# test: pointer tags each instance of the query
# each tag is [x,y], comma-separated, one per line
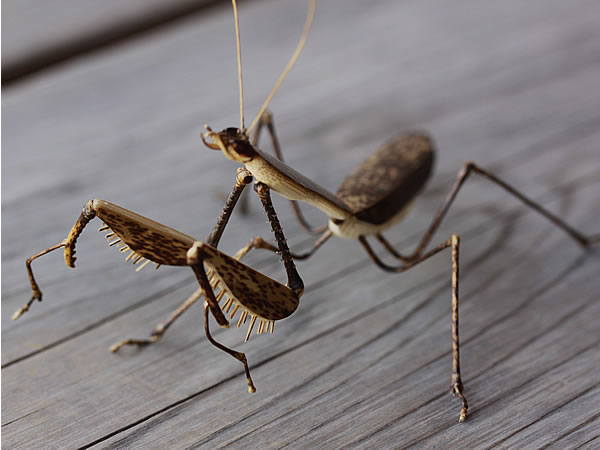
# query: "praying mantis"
[361,208]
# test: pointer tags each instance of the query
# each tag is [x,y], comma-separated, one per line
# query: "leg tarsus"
[137,342]
[160,329]
[156,334]
[241,357]
[457,385]
[453,242]
[457,390]
[37,293]
[87,214]
[19,312]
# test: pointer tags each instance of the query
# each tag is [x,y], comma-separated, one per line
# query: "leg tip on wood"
[457,391]
[115,347]
[18,313]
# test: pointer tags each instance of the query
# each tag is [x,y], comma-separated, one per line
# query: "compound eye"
[244,148]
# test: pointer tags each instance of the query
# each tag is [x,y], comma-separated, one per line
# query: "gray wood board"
[40,33]
[365,361]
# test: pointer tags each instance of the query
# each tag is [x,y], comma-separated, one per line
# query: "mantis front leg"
[36,292]
[242,179]
[295,283]
[453,242]
[255,295]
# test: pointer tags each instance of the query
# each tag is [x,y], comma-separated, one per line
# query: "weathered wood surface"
[38,33]
[365,361]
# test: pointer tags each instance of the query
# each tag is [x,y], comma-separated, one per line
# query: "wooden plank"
[365,351]
[549,430]
[587,434]
[141,190]
[156,370]
[342,386]
[38,34]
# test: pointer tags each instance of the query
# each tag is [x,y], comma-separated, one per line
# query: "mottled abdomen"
[386,183]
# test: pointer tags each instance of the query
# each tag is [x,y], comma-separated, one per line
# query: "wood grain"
[39,34]
[365,360]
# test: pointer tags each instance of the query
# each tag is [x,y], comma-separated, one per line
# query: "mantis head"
[233,142]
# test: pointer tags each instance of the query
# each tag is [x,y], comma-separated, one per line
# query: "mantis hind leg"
[452,242]
[463,174]
[161,328]
[420,255]
[259,243]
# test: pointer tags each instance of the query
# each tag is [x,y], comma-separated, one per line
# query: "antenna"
[309,18]
[239,61]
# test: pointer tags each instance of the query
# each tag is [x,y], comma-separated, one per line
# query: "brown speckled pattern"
[389,179]
[260,295]
[145,237]
[86,215]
